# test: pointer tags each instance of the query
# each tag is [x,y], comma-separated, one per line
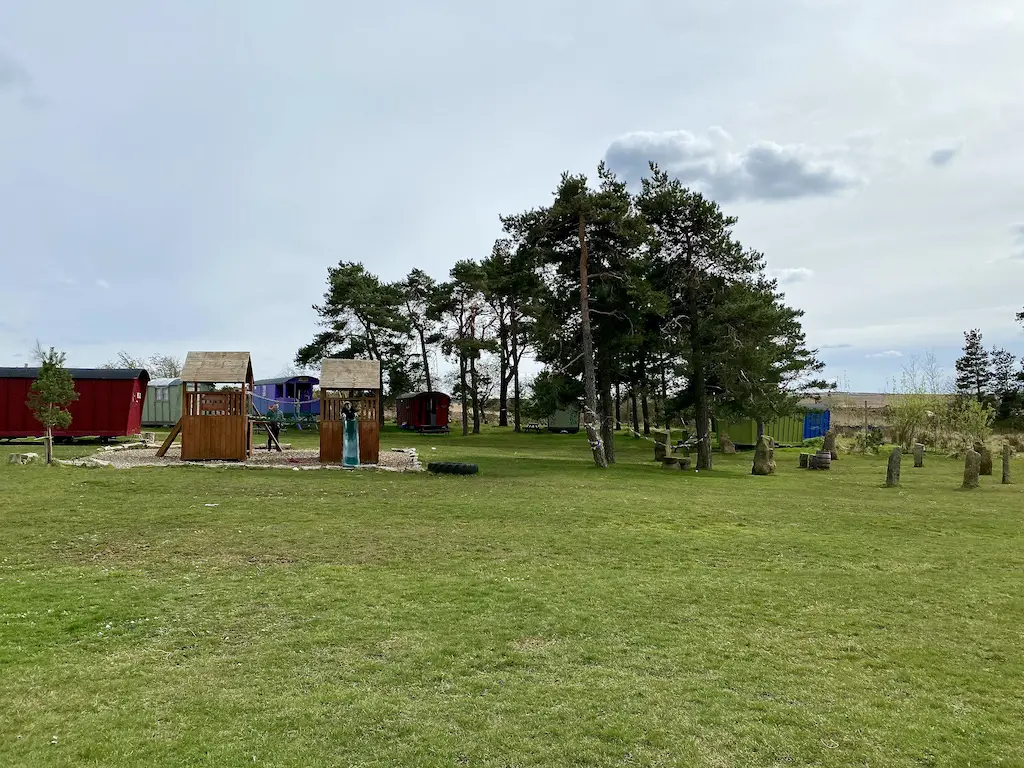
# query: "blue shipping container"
[816,424]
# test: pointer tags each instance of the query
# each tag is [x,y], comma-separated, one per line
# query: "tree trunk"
[503,365]
[618,407]
[760,429]
[380,410]
[475,395]
[589,378]
[647,413]
[605,404]
[700,395]
[426,363]
[48,443]
[664,390]
[633,411]
[464,388]
[514,325]
[516,420]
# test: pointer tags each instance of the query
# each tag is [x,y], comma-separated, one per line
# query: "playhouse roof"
[337,373]
[217,367]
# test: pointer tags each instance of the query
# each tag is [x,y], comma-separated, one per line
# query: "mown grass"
[540,613]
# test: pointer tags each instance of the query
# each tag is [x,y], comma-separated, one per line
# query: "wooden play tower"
[215,425]
[358,382]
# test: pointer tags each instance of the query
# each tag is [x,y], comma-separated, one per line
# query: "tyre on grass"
[452,468]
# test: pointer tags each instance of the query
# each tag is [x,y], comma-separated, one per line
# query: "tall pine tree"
[973,369]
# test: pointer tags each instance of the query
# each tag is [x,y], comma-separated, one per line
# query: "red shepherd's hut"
[423,411]
[109,403]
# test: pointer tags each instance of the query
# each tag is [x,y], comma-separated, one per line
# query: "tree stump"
[919,455]
[684,463]
[972,468]
[986,458]
[1007,455]
[830,445]
[763,463]
[670,462]
[892,472]
[805,461]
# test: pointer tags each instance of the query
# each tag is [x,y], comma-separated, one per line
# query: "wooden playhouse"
[358,382]
[215,423]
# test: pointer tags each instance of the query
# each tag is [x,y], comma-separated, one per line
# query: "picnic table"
[533,426]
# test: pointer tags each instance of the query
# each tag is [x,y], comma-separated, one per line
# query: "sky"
[180,175]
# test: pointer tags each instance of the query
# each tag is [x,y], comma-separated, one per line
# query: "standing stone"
[830,444]
[986,458]
[892,472]
[919,455]
[972,466]
[727,445]
[763,459]
[771,453]
[661,438]
[805,459]
[1007,454]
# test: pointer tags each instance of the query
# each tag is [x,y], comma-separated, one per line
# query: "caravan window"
[161,393]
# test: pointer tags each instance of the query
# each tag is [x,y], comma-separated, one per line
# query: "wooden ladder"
[170,439]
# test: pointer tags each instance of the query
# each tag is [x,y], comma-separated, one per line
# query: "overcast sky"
[179,175]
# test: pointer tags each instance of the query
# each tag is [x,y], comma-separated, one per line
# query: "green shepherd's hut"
[565,420]
[162,407]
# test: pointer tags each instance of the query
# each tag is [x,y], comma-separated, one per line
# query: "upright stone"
[1007,454]
[661,438]
[919,455]
[986,458]
[972,466]
[763,458]
[892,472]
[727,445]
[830,444]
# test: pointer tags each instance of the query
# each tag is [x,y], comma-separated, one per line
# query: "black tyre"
[452,468]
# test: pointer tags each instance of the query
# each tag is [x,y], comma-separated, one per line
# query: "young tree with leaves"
[973,369]
[50,395]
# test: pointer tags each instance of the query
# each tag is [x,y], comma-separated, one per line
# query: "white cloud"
[791,276]
[103,284]
[887,353]
[764,170]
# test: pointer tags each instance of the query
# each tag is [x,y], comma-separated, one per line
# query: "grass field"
[540,613]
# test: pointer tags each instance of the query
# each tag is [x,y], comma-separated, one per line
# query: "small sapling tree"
[50,395]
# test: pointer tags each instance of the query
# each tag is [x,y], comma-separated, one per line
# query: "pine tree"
[694,249]
[973,369]
[50,395]
[362,318]
[1006,386]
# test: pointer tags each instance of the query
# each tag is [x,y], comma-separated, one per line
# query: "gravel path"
[400,460]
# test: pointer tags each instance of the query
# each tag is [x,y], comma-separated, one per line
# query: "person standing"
[274,419]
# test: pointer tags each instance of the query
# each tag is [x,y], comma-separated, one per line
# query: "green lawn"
[540,613]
